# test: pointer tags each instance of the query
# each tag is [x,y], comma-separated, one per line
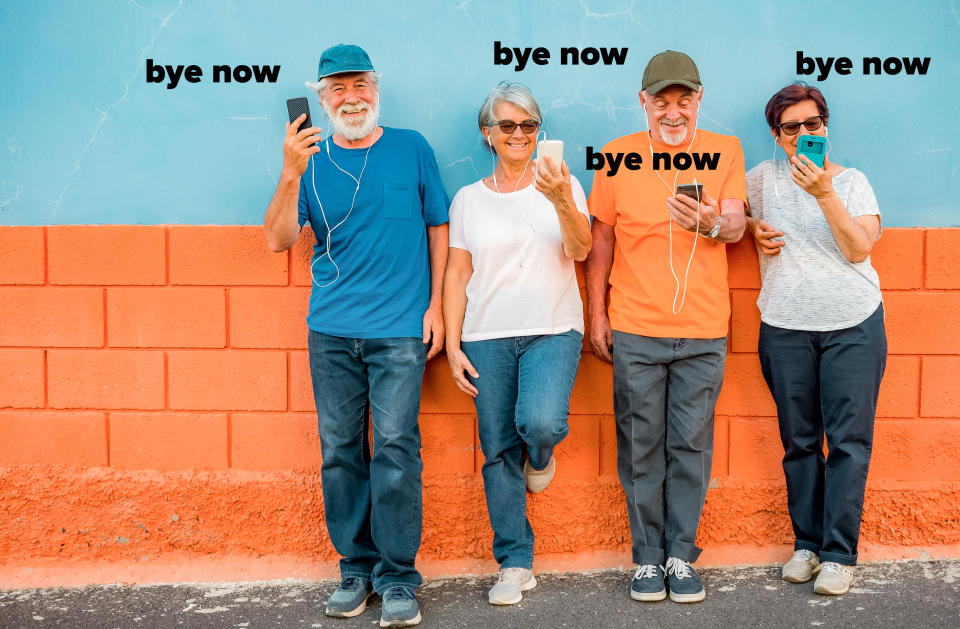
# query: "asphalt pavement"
[898,594]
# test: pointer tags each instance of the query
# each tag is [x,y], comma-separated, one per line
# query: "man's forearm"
[438,242]
[734,221]
[281,220]
[599,263]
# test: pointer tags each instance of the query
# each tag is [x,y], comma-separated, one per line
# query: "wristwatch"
[716,228]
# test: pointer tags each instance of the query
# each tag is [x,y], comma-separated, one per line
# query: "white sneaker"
[833,579]
[538,480]
[801,567]
[509,587]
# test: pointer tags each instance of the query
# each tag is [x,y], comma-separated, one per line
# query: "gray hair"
[513,93]
[321,85]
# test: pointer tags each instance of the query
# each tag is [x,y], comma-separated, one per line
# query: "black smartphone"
[692,190]
[295,108]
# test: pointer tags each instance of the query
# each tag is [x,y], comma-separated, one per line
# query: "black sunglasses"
[527,126]
[792,128]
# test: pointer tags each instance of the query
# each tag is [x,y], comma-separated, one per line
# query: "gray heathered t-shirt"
[810,285]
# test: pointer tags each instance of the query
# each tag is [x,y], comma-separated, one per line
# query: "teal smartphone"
[813,146]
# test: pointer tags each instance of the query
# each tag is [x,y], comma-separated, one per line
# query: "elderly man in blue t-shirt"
[379,211]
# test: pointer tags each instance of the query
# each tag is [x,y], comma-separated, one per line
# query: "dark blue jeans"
[373,505]
[522,402]
[664,394]
[826,382]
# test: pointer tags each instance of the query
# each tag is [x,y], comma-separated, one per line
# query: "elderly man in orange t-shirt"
[664,256]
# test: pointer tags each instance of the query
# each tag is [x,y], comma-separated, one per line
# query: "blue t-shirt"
[383,287]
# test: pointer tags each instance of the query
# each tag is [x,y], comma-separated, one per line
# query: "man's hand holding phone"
[298,146]
[683,211]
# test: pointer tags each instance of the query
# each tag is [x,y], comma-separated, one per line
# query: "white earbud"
[489,142]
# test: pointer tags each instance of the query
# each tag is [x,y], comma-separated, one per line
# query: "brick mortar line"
[138,411]
[273,350]
[465,416]
[921,289]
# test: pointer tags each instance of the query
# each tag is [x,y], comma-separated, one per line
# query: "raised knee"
[542,430]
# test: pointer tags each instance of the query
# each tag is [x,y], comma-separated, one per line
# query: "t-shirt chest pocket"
[401,201]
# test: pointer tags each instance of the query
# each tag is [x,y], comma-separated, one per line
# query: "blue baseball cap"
[340,59]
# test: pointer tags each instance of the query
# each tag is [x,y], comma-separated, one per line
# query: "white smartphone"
[552,149]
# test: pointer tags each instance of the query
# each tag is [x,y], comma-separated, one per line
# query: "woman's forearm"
[853,240]
[454,305]
[574,229]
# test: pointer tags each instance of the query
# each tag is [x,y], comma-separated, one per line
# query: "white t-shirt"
[522,283]
[810,285]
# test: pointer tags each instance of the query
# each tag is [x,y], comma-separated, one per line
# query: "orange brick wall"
[155,398]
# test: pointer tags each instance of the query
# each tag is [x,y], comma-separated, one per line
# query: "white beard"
[356,129]
[673,139]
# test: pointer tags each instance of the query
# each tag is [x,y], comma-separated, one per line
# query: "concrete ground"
[902,594]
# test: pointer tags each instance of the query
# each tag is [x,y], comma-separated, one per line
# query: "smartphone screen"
[296,107]
[552,149]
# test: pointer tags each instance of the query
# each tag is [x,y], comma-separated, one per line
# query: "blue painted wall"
[87,140]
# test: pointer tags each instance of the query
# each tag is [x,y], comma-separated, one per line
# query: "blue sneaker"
[648,584]
[400,608]
[685,585]
[350,598]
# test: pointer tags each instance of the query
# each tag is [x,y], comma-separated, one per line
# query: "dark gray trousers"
[664,393]
[826,383]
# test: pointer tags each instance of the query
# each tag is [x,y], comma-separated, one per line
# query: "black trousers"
[826,383]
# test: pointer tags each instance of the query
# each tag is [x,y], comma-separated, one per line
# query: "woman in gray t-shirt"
[822,342]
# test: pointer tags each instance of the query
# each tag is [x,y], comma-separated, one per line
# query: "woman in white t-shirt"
[514,319]
[822,343]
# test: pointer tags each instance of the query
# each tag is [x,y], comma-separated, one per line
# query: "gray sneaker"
[833,579]
[400,607]
[648,584]
[801,567]
[510,586]
[350,598]
[684,583]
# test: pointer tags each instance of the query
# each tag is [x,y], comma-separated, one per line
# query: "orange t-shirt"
[634,202]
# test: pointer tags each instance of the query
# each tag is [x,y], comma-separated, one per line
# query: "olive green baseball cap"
[670,68]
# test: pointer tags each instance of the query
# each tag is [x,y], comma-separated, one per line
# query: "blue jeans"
[523,400]
[826,383]
[373,505]
[664,394]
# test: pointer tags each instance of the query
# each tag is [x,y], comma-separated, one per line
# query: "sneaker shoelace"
[398,593]
[678,567]
[802,555]
[513,575]
[831,566]
[648,571]
[351,583]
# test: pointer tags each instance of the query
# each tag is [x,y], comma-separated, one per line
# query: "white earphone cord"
[323,214]
[686,274]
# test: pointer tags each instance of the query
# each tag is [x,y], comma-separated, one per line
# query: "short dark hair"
[791,95]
